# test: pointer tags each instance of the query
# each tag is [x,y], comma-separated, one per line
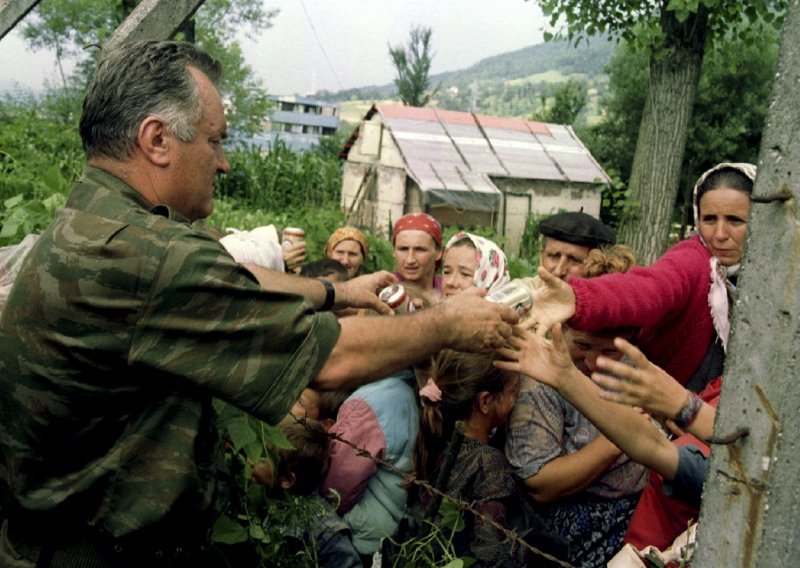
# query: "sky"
[336,44]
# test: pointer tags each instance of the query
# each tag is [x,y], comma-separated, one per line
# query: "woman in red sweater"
[681,301]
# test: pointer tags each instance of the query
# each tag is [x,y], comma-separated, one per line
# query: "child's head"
[322,406]
[463,386]
[327,269]
[300,470]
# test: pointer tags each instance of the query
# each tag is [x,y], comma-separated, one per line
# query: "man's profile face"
[195,164]
[415,254]
[562,259]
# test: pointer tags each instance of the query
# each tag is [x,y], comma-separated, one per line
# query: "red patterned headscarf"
[347,234]
[419,222]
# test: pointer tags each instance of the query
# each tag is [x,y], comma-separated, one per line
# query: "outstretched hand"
[644,385]
[553,303]
[475,324]
[362,292]
[546,361]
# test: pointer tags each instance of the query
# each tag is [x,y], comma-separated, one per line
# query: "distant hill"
[510,84]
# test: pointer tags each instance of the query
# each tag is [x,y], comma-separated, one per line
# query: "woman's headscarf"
[347,234]
[720,295]
[491,265]
[418,222]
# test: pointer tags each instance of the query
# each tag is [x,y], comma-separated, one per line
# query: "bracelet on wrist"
[689,412]
[330,296]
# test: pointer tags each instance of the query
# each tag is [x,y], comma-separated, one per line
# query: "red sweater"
[668,300]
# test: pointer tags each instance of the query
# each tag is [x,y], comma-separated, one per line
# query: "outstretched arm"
[649,387]
[373,347]
[549,362]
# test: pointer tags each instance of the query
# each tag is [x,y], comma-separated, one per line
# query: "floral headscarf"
[491,265]
[347,234]
[720,295]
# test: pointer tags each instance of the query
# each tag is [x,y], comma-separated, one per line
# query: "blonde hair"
[608,260]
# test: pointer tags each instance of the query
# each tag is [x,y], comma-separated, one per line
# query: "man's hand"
[546,361]
[475,324]
[362,292]
[552,304]
[644,385]
[294,255]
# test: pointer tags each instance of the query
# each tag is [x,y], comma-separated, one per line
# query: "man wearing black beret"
[568,238]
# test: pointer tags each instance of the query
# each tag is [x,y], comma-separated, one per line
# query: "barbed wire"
[410,478]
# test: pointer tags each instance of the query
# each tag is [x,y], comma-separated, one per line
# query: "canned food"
[396,297]
[293,235]
[515,295]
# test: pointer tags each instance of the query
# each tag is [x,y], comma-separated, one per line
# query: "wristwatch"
[330,296]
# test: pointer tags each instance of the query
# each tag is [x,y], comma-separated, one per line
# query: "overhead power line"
[322,47]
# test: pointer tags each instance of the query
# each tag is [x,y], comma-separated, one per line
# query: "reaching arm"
[649,387]
[373,347]
[550,363]
[552,303]
[567,475]
[359,292]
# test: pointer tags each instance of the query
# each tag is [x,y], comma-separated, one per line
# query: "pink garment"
[350,473]
[668,300]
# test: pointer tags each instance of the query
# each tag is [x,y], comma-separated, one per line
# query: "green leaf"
[275,437]
[548,36]
[14,201]
[241,433]
[257,532]
[9,230]
[455,563]
[451,516]
[53,180]
[228,531]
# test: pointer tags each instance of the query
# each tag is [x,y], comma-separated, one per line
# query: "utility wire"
[322,48]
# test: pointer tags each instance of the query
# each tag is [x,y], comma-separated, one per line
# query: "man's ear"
[154,141]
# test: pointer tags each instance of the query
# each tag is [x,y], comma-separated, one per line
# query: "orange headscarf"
[347,234]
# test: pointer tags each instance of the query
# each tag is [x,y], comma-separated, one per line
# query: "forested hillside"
[509,84]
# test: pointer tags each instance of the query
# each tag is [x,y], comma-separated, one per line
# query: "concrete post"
[153,19]
[751,506]
[11,12]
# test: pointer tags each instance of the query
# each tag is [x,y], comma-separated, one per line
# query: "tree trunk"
[655,174]
[751,505]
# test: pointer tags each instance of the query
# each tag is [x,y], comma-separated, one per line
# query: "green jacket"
[122,325]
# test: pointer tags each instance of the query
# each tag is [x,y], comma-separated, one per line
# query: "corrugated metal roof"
[449,152]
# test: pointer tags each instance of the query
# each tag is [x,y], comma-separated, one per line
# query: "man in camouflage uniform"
[126,320]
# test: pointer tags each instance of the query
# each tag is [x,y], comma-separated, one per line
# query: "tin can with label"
[395,297]
[515,295]
[293,235]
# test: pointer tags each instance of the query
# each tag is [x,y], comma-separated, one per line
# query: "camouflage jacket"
[122,325]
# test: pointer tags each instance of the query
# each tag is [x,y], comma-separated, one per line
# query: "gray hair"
[138,80]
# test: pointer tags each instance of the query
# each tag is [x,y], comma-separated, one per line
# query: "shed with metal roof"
[465,169]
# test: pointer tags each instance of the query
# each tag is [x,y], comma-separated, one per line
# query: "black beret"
[578,228]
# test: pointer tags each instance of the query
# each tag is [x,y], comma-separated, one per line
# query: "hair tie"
[431,391]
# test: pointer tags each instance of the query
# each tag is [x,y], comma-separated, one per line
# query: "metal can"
[293,235]
[515,295]
[396,297]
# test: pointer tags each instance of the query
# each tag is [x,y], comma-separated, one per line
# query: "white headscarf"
[491,265]
[721,291]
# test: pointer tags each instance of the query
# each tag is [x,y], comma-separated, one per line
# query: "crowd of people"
[579,425]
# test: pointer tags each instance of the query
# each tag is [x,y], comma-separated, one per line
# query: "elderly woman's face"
[458,269]
[724,214]
[348,253]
